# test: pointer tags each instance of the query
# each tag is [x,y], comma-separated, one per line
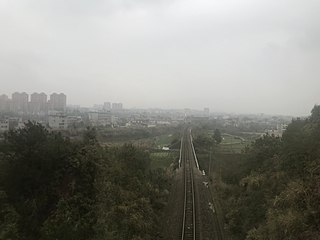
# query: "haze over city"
[159,119]
[233,56]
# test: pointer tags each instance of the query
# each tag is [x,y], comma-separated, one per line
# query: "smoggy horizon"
[231,56]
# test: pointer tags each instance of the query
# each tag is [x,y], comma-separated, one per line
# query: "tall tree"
[217,136]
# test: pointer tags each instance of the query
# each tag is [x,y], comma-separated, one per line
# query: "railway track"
[189,220]
[198,219]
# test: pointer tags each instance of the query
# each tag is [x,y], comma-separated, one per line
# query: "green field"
[233,144]
[162,159]
[164,140]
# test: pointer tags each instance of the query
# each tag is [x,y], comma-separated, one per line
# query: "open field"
[163,140]
[163,159]
[235,144]
[232,148]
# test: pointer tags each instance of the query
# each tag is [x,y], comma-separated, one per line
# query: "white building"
[58,121]
[101,118]
[4,125]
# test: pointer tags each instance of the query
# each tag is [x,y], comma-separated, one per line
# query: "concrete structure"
[4,125]
[117,106]
[19,102]
[11,123]
[107,106]
[98,107]
[101,118]
[4,103]
[38,103]
[4,97]
[74,121]
[58,102]
[57,121]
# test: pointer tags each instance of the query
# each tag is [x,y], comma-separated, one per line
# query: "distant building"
[107,106]
[4,97]
[73,107]
[19,102]
[98,107]
[117,106]
[57,120]
[74,121]
[4,103]
[14,123]
[4,125]
[281,128]
[58,102]
[38,103]
[101,118]
[93,116]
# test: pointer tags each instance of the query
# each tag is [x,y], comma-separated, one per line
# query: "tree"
[217,136]
[54,188]
[278,196]
[315,114]
[90,136]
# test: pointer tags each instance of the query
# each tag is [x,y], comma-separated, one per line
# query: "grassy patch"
[231,148]
[164,140]
[162,159]
[232,144]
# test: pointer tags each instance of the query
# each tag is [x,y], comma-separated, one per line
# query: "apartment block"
[38,103]
[57,102]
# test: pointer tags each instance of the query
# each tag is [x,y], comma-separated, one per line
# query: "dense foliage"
[53,188]
[276,194]
[217,136]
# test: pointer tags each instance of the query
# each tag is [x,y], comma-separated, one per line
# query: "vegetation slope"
[54,188]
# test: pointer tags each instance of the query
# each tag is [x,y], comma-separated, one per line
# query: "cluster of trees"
[204,142]
[276,191]
[54,188]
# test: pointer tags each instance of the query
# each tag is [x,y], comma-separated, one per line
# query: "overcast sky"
[243,56]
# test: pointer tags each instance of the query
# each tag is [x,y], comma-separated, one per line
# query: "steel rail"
[189,209]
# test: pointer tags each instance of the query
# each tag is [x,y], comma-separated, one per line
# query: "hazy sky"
[245,56]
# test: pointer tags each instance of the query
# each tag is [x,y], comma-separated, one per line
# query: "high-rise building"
[4,97]
[4,103]
[38,103]
[19,102]
[107,106]
[58,102]
[117,106]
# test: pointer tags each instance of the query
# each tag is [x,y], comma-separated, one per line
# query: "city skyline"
[32,103]
[233,56]
[120,105]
